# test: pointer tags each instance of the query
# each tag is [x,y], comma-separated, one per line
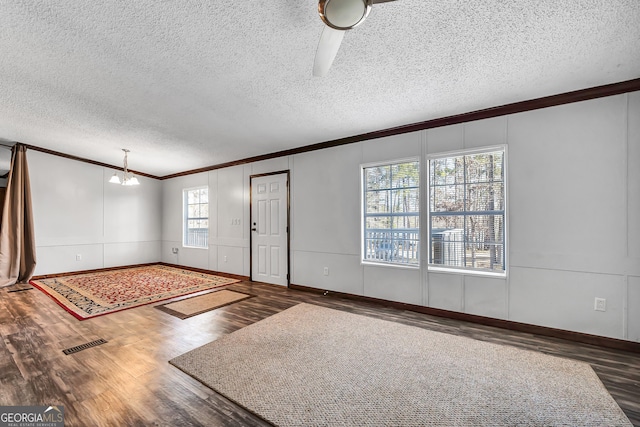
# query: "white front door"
[269,229]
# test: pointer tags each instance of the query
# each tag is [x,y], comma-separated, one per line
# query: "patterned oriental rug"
[96,294]
[314,366]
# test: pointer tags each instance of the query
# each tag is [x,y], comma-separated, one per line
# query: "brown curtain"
[17,240]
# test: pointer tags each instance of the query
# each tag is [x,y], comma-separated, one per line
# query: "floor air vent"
[20,290]
[83,346]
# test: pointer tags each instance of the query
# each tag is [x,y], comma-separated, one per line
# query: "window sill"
[389,264]
[195,247]
[467,272]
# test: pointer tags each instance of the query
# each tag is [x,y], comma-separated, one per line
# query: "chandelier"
[127,177]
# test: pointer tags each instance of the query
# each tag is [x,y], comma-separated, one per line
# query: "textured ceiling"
[188,84]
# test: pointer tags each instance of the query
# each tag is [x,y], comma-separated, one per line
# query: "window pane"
[447,198]
[485,167]
[447,243]
[407,249]
[378,177]
[405,200]
[446,222]
[405,222]
[405,175]
[470,190]
[204,223]
[196,223]
[204,195]
[391,205]
[443,171]
[378,222]
[377,201]
[192,197]
[478,168]
[485,236]
[388,246]
[484,229]
[378,246]
[484,197]
[498,166]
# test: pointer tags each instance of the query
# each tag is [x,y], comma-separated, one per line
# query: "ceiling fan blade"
[381,1]
[330,41]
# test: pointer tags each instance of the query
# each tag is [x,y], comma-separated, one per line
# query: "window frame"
[439,268]
[186,218]
[363,201]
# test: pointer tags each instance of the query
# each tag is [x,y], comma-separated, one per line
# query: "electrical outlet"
[600,304]
[326,271]
[78,257]
[225,258]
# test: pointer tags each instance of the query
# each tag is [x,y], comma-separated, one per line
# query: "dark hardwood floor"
[128,382]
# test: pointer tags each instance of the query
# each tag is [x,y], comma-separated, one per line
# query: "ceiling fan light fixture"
[344,14]
[338,16]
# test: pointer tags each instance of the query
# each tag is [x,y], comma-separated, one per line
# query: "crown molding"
[516,107]
[513,108]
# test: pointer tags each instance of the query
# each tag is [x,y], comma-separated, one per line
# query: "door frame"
[288,174]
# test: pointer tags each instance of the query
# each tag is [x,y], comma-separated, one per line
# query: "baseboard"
[580,337]
[122,267]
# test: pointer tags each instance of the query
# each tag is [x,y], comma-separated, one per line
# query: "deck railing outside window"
[399,246]
[198,237]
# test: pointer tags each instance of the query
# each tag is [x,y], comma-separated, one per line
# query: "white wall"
[228,250]
[573,229]
[633,218]
[569,228]
[573,209]
[77,212]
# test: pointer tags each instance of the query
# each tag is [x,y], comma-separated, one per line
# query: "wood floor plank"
[128,380]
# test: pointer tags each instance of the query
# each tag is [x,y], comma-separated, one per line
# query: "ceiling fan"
[339,16]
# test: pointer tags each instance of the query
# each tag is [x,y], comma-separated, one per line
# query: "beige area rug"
[197,305]
[314,366]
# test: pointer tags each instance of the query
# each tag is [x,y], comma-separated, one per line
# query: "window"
[391,213]
[467,210]
[196,217]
